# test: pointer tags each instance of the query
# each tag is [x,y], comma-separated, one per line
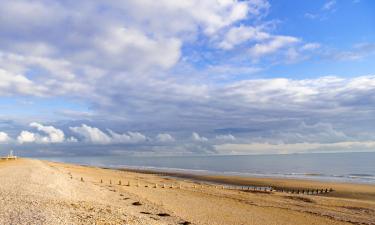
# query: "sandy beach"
[41,192]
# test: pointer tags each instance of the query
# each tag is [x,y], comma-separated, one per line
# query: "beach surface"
[42,192]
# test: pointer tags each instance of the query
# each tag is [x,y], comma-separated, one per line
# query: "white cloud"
[269,47]
[238,35]
[268,148]
[164,137]
[329,5]
[94,135]
[127,39]
[26,137]
[91,134]
[118,42]
[4,137]
[196,137]
[310,46]
[225,137]
[129,137]
[312,16]
[15,83]
[29,14]
[54,135]
[181,16]
[357,52]
[72,140]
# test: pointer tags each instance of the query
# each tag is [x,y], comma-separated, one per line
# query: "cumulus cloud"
[129,137]
[91,134]
[26,137]
[196,137]
[54,135]
[94,135]
[49,134]
[4,137]
[164,137]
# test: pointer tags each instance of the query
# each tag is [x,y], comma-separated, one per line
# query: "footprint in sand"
[136,203]
[185,223]
[147,213]
[163,214]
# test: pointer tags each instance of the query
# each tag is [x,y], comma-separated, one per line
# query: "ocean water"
[341,167]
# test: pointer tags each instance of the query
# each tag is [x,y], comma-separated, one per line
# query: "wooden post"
[119,182]
[101,181]
[82,179]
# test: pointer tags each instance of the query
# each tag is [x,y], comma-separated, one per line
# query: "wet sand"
[342,190]
[41,192]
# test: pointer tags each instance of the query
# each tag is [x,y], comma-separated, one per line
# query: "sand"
[41,192]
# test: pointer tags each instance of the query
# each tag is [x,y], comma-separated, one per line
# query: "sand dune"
[40,192]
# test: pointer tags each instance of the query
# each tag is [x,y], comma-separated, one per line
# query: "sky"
[186,77]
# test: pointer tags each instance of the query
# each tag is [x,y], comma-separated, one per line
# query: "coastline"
[40,191]
[335,167]
[340,189]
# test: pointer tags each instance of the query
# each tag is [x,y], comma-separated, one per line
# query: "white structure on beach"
[10,156]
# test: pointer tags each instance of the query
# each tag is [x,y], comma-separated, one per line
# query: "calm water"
[347,167]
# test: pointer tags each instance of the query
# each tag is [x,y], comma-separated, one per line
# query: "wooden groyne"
[262,189]
[246,188]
[272,189]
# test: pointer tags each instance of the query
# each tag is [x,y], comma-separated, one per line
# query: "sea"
[356,167]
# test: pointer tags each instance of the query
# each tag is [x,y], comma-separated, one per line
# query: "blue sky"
[186,77]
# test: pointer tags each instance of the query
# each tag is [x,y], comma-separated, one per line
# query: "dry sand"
[40,192]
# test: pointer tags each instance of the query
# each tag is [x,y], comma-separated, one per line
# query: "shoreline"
[362,191]
[340,189]
[203,173]
[194,174]
[259,166]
